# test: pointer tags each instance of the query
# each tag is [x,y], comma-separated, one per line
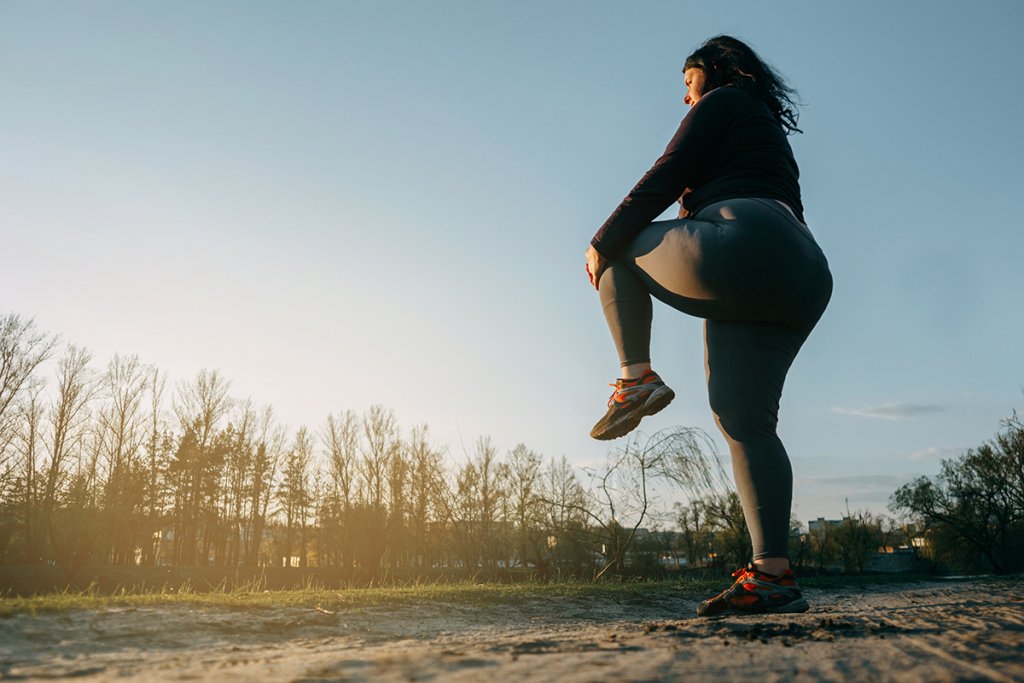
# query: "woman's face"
[694,85]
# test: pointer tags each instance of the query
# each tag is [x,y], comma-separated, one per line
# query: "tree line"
[113,466]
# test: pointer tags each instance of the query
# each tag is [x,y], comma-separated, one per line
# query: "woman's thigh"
[746,365]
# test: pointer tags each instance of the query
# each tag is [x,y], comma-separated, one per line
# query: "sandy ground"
[954,631]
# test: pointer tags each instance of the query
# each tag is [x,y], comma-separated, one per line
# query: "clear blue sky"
[343,203]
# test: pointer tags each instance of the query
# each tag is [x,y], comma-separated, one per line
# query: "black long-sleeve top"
[728,145]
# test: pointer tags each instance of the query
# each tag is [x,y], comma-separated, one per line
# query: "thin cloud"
[935,453]
[858,481]
[891,411]
[853,491]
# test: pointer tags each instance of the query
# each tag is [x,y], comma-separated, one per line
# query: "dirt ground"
[953,631]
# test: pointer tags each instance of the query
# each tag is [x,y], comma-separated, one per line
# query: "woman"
[742,258]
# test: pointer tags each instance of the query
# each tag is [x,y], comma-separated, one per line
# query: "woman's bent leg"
[639,392]
[628,311]
[663,260]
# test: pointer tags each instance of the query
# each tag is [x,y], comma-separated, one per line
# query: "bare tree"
[25,494]
[396,533]
[858,537]
[469,508]
[340,435]
[199,406]
[461,505]
[563,503]
[490,492]
[266,462]
[158,450]
[428,486]
[1007,449]
[237,473]
[622,494]
[121,435]
[67,422]
[380,441]
[697,531]
[731,540]
[22,350]
[294,494]
[524,477]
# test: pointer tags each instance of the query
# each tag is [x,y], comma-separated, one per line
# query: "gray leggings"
[761,282]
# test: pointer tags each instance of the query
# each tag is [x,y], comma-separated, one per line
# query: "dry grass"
[254,595]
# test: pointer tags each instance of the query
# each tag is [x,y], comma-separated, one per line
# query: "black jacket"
[728,145]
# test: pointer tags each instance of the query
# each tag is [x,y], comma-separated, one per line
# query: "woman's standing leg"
[746,366]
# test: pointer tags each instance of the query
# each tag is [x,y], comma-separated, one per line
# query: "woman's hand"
[595,265]
[683,213]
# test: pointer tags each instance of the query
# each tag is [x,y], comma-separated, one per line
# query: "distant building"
[821,524]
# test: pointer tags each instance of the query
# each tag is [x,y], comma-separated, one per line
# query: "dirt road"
[953,631]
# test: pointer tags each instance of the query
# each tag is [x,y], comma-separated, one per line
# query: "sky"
[337,204]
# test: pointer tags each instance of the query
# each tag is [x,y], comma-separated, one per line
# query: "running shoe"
[756,593]
[632,400]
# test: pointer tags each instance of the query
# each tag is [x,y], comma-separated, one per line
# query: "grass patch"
[311,596]
[254,595]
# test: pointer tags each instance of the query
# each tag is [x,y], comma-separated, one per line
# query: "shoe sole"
[798,605]
[655,403]
[794,607]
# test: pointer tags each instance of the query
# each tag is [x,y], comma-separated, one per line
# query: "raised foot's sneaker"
[632,400]
[756,593]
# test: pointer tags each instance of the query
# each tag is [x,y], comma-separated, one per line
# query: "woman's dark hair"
[728,61]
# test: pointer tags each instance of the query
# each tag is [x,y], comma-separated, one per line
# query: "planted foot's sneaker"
[632,400]
[756,593]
